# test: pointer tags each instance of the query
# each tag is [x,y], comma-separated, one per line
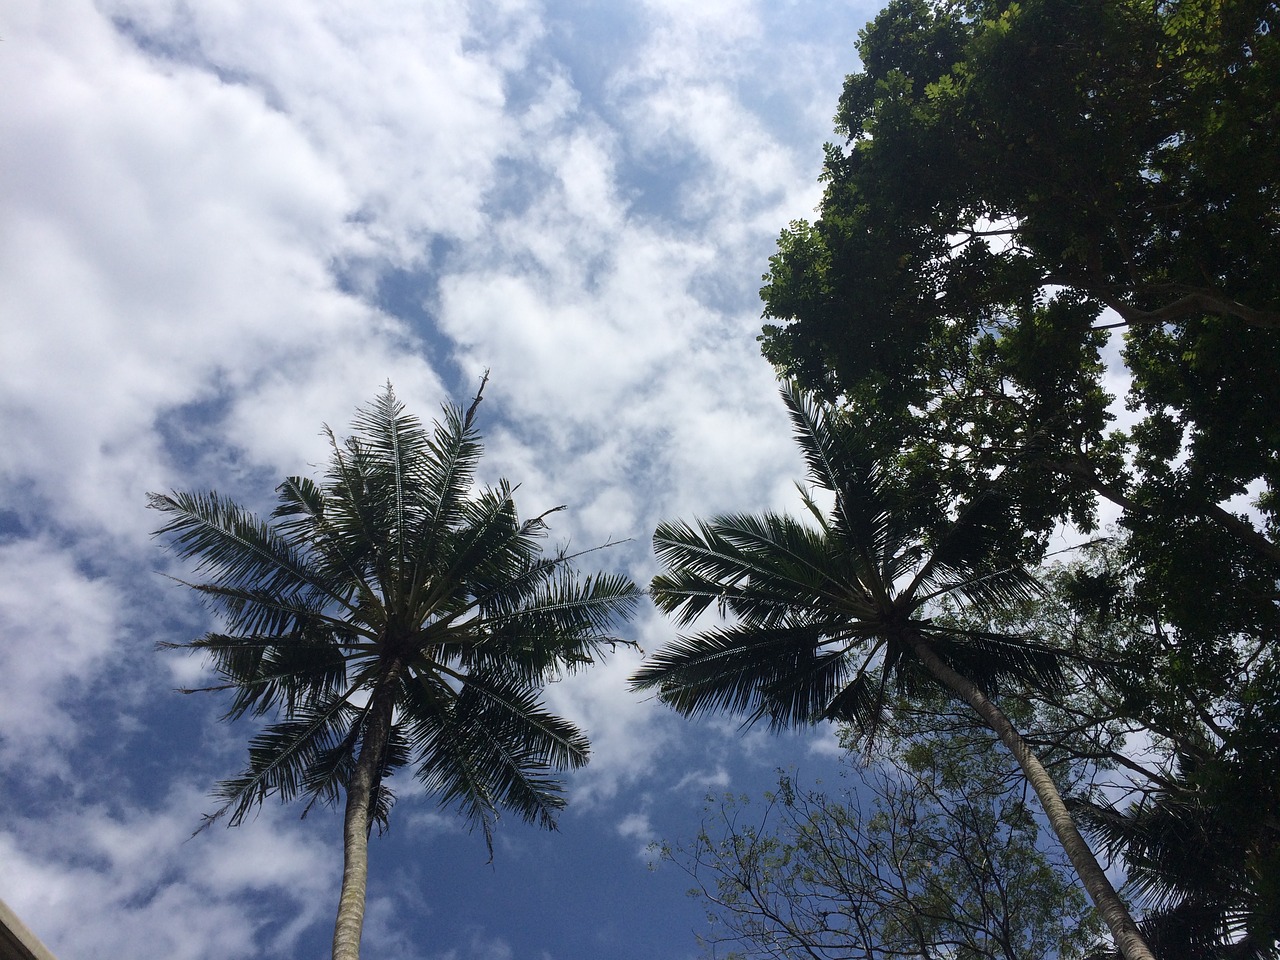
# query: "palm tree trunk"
[1108,903]
[356,822]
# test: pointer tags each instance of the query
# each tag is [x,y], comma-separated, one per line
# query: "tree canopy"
[1184,789]
[1016,179]
[827,618]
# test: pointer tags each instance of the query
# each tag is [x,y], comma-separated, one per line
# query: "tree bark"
[1108,903]
[364,782]
[1190,304]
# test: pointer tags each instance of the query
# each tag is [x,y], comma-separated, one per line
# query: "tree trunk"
[1108,903]
[365,781]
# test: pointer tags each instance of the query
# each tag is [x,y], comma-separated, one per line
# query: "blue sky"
[226,224]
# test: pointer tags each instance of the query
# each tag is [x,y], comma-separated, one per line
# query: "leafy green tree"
[1203,853]
[828,618]
[1013,171]
[389,615]
[930,851]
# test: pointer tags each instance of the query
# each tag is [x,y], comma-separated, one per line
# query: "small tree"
[388,615]
[931,851]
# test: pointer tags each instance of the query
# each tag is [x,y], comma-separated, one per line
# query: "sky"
[226,224]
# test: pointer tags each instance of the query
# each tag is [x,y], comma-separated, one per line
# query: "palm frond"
[1173,843]
[489,547]
[330,770]
[301,518]
[280,756]
[785,674]
[449,472]
[862,702]
[492,745]
[300,508]
[250,611]
[862,518]
[236,548]
[275,675]
[759,568]
[564,625]
[356,517]
[396,448]
[811,608]
[963,557]
[522,582]
[995,660]
[1193,930]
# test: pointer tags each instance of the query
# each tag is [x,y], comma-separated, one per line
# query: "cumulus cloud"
[57,626]
[405,101]
[704,780]
[97,883]
[628,736]
[637,827]
[171,242]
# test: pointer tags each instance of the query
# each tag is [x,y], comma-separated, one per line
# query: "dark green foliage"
[1012,170]
[833,621]
[1200,858]
[1191,810]
[392,578]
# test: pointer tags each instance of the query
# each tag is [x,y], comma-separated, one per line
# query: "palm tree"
[388,616]
[826,620]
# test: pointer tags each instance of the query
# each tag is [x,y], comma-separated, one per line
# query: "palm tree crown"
[824,613]
[388,616]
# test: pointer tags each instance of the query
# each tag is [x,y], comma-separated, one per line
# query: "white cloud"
[638,827]
[170,240]
[635,826]
[703,780]
[405,100]
[628,731]
[57,626]
[825,742]
[432,822]
[101,884]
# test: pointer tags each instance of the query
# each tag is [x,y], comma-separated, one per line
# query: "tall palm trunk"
[1108,903]
[364,784]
